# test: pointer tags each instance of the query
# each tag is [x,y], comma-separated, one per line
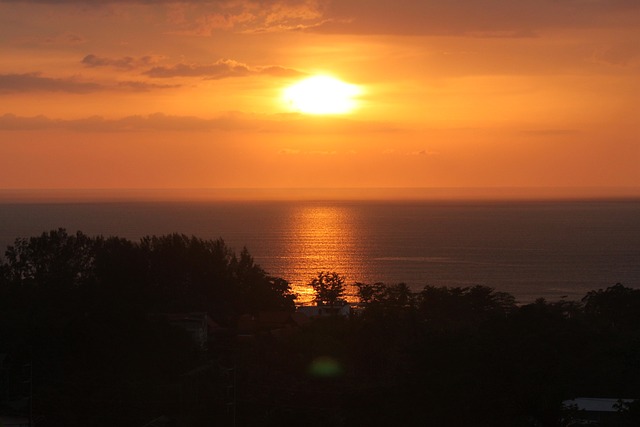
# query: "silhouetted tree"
[329,287]
[78,308]
[400,295]
[258,291]
[463,307]
[616,307]
[52,261]
[371,293]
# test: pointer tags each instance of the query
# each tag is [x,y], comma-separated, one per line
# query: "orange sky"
[464,93]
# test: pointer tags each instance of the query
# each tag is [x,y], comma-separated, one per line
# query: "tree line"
[473,356]
[75,309]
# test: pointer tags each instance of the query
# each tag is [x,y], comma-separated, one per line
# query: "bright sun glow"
[322,95]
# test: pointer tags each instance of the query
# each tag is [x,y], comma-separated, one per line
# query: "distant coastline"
[28,195]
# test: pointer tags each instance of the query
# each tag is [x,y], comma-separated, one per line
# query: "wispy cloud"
[621,54]
[247,16]
[232,121]
[123,63]
[549,132]
[291,152]
[138,86]
[424,152]
[221,69]
[152,122]
[35,82]
[204,17]
[60,39]
[471,18]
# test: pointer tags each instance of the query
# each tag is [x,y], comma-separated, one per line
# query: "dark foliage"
[329,287]
[75,310]
[80,310]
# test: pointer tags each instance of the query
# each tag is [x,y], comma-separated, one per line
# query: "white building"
[320,310]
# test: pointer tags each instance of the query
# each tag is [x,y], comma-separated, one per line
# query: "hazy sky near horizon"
[189,94]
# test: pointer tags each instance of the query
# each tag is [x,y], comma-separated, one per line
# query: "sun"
[322,95]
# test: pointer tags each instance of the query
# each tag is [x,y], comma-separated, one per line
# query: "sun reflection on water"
[324,238]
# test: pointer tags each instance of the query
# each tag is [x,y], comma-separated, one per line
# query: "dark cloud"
[221,69]
[124,63]
[34,82]
[95,61]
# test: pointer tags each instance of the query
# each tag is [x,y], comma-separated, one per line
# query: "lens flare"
[325,367]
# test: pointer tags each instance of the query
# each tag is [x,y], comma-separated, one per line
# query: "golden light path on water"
[324,238]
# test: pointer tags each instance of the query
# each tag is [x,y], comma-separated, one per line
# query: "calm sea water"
[530,249]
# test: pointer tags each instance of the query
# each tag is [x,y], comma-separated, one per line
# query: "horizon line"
[504,193]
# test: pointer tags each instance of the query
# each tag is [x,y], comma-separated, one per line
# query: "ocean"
[531,249]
